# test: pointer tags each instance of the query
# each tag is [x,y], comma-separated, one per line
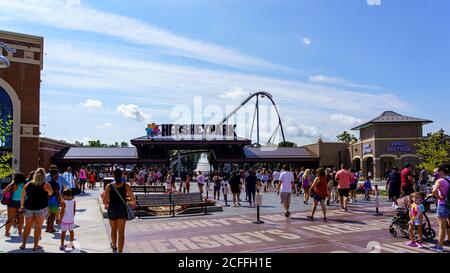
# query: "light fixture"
[4,62]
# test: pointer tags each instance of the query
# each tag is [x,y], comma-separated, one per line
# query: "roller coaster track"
[258,95]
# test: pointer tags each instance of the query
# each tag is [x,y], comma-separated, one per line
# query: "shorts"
[353,186]
[344,192]
[318,198]
[53,208]
[285,198]
[82,181]
[67,227]
[117,212]
[40,212]
[442,211]
[14,204]
[216,189]
[408,190]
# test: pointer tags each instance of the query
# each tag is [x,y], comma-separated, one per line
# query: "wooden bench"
[155,189]
[148,189]
[138,189]
[188,199]
[145,201]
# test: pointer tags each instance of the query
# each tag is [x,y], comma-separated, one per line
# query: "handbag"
[6,198]
[129,208]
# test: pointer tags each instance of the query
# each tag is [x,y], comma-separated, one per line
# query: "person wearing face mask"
[440,191]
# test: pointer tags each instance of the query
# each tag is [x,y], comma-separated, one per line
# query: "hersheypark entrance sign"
[184,130]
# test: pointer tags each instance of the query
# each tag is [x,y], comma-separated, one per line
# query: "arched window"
[6,114]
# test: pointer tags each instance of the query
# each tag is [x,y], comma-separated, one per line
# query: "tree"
[96,144]
[346,137]
[6,157]
[124,144]
[433,150]
[287,144]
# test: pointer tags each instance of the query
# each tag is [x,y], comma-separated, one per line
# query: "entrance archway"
[387,162]
[368,165]
[10,96]
[356,164]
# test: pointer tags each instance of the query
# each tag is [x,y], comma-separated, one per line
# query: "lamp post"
[4,62]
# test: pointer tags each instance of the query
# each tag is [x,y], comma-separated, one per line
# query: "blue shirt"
[367,185]
[61,181]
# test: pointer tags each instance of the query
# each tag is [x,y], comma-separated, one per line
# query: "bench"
[188,199]
[144,201]
[148,189]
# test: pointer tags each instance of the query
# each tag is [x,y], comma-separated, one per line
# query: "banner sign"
[181,130]
[367,149]
[399,146]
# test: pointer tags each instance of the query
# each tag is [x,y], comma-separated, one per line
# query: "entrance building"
[386,141]
[19,97]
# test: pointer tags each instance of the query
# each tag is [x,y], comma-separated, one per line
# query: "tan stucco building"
[386,141]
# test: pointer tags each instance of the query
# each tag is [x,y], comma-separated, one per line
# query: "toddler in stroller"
[412,220]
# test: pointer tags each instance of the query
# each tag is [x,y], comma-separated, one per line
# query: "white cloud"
[133,111]
[105,125]
[346,120]
[73,2]
[161,86]
[339,81]
[73,15]
[92,104]
[234,94]
[374,2]
[306,41]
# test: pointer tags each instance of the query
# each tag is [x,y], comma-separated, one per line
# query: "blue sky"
[112,66]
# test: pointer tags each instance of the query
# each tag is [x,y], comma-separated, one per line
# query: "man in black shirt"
[250,186]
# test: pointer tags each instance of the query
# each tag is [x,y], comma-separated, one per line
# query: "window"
[6,113]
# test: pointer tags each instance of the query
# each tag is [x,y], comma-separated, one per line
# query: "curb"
[103,211]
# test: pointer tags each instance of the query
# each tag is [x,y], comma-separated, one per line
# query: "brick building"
[19,96]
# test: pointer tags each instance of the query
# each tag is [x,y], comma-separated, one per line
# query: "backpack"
[448,194]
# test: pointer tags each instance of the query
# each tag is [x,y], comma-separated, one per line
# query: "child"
[225,191]
[416,210]
[367,188]
[377,198]
[68,208]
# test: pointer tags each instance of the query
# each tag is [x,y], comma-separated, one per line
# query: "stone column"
[377,172]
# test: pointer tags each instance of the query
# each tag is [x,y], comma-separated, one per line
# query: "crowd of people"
[41,198]
[49,197]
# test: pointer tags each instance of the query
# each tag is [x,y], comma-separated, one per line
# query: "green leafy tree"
[124,144]
[433,150]
[96,144]
[346,137]
[287,144]
[6,157]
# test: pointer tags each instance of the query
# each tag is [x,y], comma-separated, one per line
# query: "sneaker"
[437,248]
[411,244]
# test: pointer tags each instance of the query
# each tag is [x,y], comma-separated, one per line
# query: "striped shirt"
[70,179]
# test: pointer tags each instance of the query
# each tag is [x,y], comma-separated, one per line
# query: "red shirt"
[405,177]
[321,188]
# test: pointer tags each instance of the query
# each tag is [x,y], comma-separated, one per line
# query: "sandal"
[22,247]
[37,248]
[310,217]
[325,219]
[63,248]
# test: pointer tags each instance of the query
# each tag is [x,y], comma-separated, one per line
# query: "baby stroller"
[401,221]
